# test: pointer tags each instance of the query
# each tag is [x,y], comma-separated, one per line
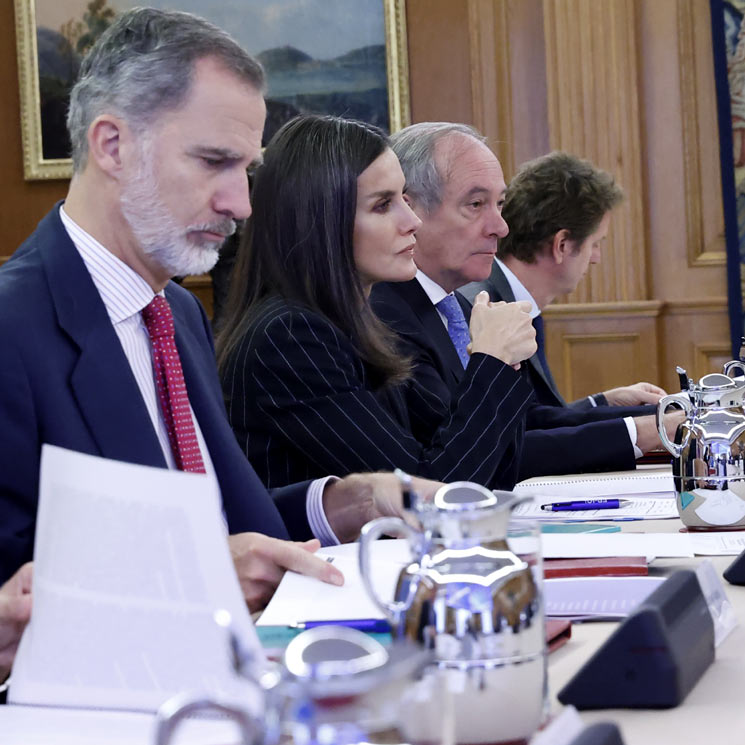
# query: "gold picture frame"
[38,167]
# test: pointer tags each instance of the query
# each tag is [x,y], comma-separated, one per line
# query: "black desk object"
[655,657]
[735,572]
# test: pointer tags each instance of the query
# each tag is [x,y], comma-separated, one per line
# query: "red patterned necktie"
[169,382]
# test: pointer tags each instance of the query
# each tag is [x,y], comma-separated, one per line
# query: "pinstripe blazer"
[300,403]
[558,439]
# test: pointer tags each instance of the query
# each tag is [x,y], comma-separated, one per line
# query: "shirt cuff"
[594,403]
[631,426]
[319,525]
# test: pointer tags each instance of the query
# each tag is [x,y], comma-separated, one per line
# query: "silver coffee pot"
[469,597]
[709,448]
[335,685]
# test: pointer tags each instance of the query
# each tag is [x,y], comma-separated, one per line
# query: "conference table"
[712,713]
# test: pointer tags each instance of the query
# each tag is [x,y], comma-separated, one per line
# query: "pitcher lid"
[335,659]
[466,496]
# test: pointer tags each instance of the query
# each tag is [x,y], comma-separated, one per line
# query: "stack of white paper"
[130,565]
[584,598]
[37,725]
[650,495]
[718,543]
[595,545]
[648,483]
[638,508]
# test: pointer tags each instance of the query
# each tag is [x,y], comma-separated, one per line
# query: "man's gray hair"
[415,148]
[143,65]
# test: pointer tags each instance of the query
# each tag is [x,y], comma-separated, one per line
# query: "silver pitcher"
[467,596]
[709,449]
[336,685]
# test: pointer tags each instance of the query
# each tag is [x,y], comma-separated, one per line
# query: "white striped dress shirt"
[125,293]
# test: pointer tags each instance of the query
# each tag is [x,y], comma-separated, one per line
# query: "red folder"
[616,566]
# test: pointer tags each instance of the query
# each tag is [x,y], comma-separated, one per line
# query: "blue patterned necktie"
[457,326]
[540,340]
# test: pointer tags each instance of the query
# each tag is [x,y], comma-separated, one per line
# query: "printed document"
[639,508]
[656,483]
[131,563]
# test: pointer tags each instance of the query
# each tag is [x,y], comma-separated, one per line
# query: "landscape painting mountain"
[320,56]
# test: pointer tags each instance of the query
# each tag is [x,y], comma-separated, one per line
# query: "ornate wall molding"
[703,249]
[645,308]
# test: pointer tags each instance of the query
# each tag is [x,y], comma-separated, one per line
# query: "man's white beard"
[174,248]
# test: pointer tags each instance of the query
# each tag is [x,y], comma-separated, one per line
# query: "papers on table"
[40,725]
[640,508]
[650,493]
[587,545]
[304,599]
[718,543]
[300,598]
[596,597]
[656,483]
[130,564]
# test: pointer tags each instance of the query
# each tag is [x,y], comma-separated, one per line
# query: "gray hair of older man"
[143,65]
[415,148]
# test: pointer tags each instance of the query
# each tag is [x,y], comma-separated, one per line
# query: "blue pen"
[370,625]
[586,504]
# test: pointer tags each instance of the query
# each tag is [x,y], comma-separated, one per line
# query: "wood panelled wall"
[626,83]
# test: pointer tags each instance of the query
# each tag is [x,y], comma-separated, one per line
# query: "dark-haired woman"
[312,379]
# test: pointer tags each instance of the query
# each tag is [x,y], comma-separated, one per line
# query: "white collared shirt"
[434,292]
[519,290]
[124,294]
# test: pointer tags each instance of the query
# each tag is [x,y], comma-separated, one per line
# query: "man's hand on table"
[15,611]
[634,395]
[647,436]
[360,497]
[348,503]
[261,561]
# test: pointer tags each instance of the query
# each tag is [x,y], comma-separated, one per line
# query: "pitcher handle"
[183,705]
[734,365]
[662,406]
[371,532]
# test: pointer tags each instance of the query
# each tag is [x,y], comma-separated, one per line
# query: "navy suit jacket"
[65,380]
[569,442]
[541,379]
[302,403]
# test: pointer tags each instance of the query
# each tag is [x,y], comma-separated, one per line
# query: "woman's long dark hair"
[298,243]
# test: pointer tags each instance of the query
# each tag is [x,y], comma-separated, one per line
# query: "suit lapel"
[504,292]
[433,328]
[102,381]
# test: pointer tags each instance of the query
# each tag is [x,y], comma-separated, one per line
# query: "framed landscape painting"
[342,57]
